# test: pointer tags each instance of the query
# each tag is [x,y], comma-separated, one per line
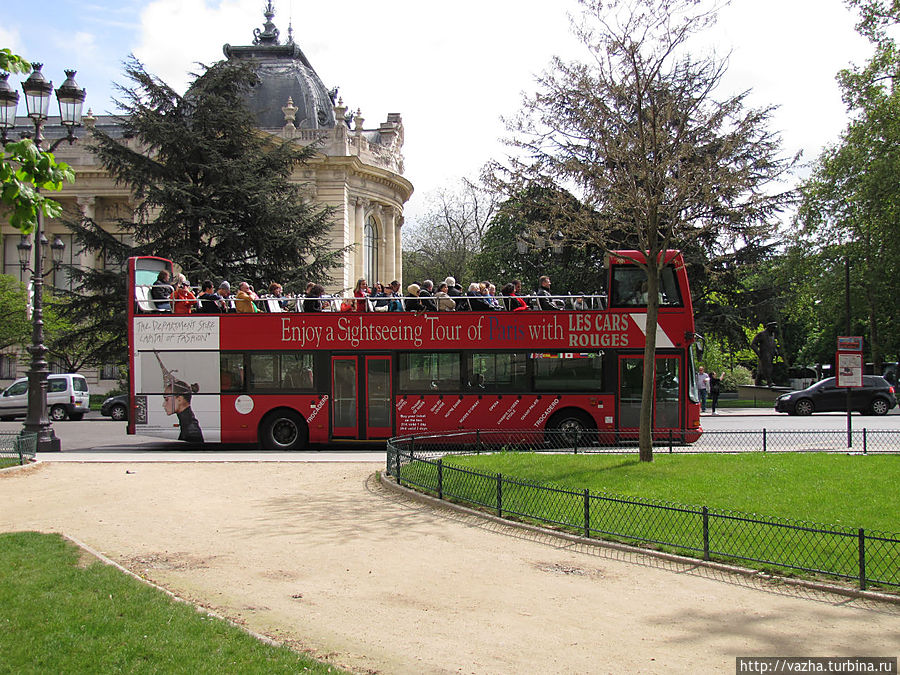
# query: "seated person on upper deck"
[161,292]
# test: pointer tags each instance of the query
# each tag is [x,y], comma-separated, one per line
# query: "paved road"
[100,439]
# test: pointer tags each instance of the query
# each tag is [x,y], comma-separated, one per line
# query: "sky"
[452,70]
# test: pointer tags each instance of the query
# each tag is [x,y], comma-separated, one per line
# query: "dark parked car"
[875,397]
[115,407]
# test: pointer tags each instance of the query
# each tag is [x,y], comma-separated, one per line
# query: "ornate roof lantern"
[284,72]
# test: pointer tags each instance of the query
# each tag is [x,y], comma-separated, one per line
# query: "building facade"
[358,170]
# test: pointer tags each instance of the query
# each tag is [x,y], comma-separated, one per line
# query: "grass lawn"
[658,504]
[848,490]
[65,614]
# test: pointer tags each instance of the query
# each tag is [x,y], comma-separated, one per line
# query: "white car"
[67,397]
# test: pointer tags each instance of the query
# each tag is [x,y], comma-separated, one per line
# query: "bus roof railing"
[294,303]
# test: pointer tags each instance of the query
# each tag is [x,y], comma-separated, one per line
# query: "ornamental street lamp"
[37,102]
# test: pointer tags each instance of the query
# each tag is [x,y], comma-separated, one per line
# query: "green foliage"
[736,376]
[13,63]
[851,207]
[25,170]
[214,194]
[542,212]
[15,329]
[65,615]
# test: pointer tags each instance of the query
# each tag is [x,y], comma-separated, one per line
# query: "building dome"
[284,73]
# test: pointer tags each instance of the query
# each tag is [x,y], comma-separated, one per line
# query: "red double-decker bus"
[290,379]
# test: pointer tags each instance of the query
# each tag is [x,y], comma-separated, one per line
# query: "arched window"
[370,251]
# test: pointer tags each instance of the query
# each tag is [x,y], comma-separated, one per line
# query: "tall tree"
[851,203]
[638,132]
[447,236]
[212,193]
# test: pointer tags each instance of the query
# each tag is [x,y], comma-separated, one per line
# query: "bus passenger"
[396,302]
[227,304]
[161,292]
[453,291]
[511,301]
[545,300]
[380,297]
[312,302]
[183,298]
[426,293]
[243,301]
[277,292]
[361,293]
[492,298]
[444,302]
[209,301]
[412,303]
[476,301]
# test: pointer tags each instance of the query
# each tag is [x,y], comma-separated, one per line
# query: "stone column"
[398,246]
[359,237]
[387,220]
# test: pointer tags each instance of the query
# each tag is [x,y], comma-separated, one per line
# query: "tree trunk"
[645,435]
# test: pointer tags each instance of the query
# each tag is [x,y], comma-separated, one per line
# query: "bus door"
[666,391]
[361,397]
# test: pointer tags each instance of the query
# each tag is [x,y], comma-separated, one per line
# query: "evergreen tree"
[212,193]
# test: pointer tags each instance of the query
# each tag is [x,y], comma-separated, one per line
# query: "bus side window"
[231,372]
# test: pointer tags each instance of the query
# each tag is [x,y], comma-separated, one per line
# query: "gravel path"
[321,556]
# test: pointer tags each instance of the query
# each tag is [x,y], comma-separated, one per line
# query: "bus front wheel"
[284,430]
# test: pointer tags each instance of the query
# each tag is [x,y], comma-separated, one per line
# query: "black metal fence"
[866,556]
[19,447]
[623,442]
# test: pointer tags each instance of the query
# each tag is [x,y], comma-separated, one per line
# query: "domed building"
[358,170]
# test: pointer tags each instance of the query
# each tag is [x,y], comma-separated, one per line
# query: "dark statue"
[766,350]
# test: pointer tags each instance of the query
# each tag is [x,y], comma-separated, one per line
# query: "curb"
[391,484]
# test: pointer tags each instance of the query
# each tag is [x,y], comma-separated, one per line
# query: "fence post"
[862,559]
[705,513]
[441,478]
[865,442]
[670,441]
[499,495]
[764,439]
[17,441]
[587,513]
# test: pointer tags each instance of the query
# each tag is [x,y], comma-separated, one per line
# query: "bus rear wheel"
[571,428]
[284,430]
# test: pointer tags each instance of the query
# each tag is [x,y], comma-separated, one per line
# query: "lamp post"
[37,102]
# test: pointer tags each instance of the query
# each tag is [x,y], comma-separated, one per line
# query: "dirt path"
[320,555]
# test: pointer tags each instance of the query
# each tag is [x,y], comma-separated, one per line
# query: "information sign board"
[849,369]
[849,343]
